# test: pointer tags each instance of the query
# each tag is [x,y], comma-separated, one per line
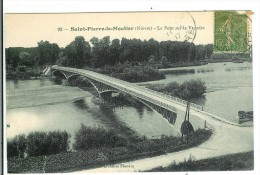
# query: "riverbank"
[104,157]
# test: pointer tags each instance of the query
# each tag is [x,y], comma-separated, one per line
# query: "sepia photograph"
[129,92]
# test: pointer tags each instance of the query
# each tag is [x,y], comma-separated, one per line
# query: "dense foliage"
[24,63]
[187,90]
[38,143]
[16,147]
[104,52]
[76,54]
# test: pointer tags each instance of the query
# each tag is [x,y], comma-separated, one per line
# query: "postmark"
[232,32]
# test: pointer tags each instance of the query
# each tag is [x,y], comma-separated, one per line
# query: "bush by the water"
[132,73]
[38,143]
[88,138]
[187,90]
[16,147]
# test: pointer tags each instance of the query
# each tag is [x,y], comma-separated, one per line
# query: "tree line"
[98,53]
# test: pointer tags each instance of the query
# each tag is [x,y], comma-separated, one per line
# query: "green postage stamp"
[232,31]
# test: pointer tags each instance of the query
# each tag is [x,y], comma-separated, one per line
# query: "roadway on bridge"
[227,137]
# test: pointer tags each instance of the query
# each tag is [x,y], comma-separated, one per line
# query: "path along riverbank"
[227,138]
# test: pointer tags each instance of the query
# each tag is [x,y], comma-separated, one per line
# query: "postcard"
[129,92]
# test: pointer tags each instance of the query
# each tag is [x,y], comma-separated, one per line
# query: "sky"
[25,30]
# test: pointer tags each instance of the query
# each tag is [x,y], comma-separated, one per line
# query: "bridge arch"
[96,85]
[60,73]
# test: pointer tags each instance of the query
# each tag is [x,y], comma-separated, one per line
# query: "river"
[229,86]
[42,105]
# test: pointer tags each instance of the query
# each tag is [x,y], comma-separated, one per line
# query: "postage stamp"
[232,31]
[128,92]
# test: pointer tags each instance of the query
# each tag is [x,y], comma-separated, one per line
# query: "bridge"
[165,105]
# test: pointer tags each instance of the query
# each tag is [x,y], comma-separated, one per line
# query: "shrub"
[38,143]
[42,143]
[88,138]
[16,147]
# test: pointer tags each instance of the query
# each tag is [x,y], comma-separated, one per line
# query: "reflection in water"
[140,110]
[237,68]
[81,104]
[57,81]
[16,84]
[108,116]
[105,113]
[205,70]
[179,71]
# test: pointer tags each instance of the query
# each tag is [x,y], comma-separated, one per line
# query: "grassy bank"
[83,159]
[231,162]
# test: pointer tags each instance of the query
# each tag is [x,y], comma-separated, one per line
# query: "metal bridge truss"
[102,88]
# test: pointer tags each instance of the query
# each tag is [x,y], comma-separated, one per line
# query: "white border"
[63,6]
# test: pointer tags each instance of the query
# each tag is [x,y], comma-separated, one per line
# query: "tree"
[151,60]
[47,52]
[26,59]
[114,51]
[16,146]
[209,50]
[193,89]
[200,53]
[154,48]
[191,52]
[12,56]
[78,53]
[101,51]
[62,59]
[164,62]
